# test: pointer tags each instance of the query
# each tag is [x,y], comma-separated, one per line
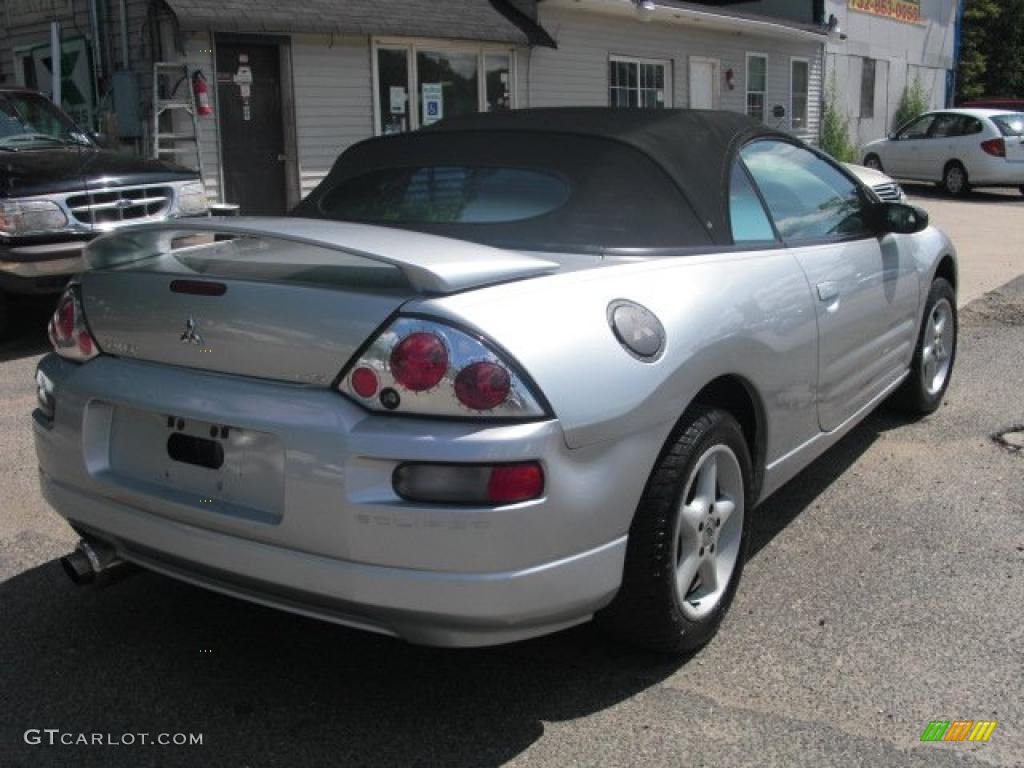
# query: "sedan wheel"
[954,180]
[688,540]
[935,353]
[873,162]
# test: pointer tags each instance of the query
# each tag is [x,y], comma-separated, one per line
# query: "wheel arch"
[738,396]
[947,270]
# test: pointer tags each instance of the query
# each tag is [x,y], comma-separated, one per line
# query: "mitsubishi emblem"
[190,334]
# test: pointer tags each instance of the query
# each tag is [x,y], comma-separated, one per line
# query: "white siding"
[576,73]
[333,101]
[199,55]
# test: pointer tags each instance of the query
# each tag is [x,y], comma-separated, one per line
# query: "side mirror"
[899,218]
[100,138]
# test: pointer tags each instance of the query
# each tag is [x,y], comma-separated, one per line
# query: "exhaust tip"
[78,568]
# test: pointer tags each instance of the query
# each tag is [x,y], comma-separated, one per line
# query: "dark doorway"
[251,125]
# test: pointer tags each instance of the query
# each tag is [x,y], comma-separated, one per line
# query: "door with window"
[906,157]
[866,291]
[251,125]
[704,83]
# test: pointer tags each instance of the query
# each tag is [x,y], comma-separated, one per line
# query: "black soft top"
[695,149]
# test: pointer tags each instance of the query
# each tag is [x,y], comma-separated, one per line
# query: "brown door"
[251,125]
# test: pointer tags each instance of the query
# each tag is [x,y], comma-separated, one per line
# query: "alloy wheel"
[708,532]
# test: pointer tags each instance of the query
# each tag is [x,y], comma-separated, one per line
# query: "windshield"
[29,120]
[1010,125]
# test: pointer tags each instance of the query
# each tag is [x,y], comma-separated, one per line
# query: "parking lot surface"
[884,591]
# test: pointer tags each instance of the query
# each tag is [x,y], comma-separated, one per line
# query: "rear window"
[1010,125]
[447,194]
[529,191]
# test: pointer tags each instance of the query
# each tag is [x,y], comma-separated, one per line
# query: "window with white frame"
[639,83]
[417,83]
[757,84]
[799,85]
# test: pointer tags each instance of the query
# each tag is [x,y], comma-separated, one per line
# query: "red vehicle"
[1017,105]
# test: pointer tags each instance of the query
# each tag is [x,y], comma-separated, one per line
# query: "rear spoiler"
[431,264]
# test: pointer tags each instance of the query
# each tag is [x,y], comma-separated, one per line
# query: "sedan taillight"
[68,332]
[427,368]
[994,147]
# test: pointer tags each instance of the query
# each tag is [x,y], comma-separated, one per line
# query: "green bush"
[835,127]
[914,102]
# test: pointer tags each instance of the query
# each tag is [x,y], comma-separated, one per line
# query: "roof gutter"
[684,13]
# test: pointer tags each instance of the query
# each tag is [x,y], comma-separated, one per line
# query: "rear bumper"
[996,172]
[345,548]
[429,607]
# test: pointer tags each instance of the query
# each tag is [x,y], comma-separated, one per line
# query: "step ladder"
[170,142]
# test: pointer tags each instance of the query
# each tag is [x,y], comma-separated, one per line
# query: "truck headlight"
[192,199]
[30,216]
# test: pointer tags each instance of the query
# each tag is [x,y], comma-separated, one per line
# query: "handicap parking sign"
[433,103]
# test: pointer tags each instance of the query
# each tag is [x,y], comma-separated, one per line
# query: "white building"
[294,84]
[882,47]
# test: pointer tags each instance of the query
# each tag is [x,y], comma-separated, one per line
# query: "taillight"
[427,368]
[995,147]
[480,484]
[419,361]
[68,332]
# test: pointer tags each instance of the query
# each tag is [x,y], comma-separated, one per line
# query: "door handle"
[828,291]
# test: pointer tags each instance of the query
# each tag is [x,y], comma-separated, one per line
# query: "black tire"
[955,181]
[647,610]
[914,396]
[3,315]
[874,161]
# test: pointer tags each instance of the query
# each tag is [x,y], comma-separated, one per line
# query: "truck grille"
[113,206]
[889,192]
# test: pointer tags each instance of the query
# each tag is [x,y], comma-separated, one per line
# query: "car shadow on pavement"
[1004,195]
[152,655]
[782,507]
[25,335]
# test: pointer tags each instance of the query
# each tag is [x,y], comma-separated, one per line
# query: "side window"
[746,214]
[918,129]
[944,126]
[808,198]
[969,125]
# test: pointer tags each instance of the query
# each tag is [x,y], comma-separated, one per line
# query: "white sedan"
[956,148]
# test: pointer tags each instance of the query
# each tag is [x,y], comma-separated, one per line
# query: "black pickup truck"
[59,189]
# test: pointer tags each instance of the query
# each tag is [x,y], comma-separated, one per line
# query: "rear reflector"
[477,484]
[994,147]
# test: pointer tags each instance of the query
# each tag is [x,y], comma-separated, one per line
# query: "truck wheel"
[688,540]
[932,366]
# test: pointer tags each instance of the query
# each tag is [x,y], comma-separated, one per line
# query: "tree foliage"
[835,127]
[913,102]
[991,49]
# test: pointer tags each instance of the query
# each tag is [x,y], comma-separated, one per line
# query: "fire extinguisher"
[201,93]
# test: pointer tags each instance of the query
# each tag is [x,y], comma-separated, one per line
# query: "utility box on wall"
[125,96]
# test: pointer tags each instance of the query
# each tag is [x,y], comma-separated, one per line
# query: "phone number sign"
[901,10]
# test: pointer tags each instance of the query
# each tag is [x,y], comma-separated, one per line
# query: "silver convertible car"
[493,378]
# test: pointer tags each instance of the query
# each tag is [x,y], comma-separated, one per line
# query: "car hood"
[67,169]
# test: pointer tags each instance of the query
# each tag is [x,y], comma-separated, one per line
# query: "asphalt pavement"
[886,590]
